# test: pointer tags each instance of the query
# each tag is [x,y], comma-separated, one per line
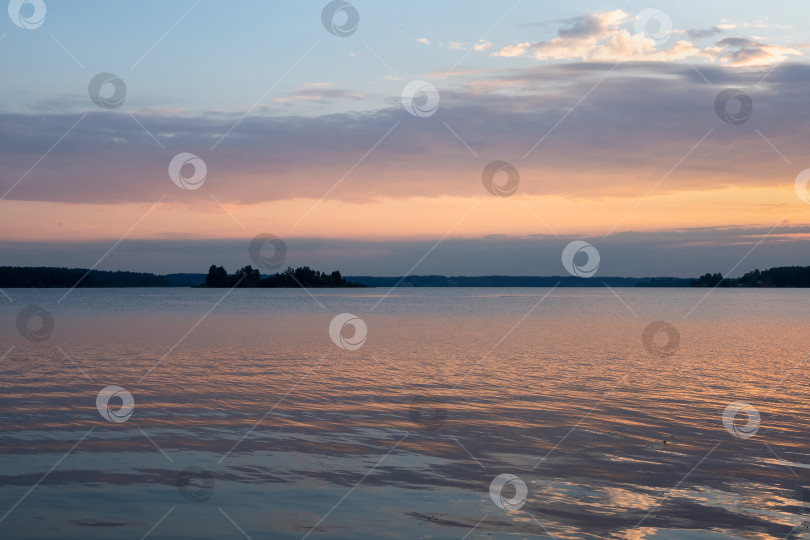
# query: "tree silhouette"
[290,278]
[709,280]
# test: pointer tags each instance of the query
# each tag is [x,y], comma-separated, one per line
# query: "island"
[247,276]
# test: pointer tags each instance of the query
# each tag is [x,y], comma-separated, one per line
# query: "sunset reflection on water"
[558,391]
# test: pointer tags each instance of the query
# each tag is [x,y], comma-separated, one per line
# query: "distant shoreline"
[53,277]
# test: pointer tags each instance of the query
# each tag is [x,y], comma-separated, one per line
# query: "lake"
[428,413]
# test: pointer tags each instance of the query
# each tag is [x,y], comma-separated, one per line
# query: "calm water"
[272,429]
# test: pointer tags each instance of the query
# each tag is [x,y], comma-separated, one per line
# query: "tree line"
[23,277]
[781,276]
[43,277]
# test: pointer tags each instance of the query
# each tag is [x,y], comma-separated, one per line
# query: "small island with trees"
[248,276]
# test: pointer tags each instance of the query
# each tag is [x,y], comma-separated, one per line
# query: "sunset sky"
[609,118]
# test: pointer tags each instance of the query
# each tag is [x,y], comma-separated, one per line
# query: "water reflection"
[279,425]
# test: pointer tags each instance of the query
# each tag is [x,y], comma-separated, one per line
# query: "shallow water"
[290,436]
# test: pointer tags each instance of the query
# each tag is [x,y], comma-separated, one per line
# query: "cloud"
[423,41]
[744,52]
[482,45]
[510,51]
[707,32]
[614,139]
[600,37]
[321,92]
[765,24]
[606,37]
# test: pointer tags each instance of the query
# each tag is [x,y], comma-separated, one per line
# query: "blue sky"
[225,56]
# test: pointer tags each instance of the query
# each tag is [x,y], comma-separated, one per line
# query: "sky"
[383,138]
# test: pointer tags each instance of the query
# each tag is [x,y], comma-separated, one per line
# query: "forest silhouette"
[247,276]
